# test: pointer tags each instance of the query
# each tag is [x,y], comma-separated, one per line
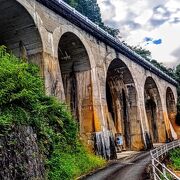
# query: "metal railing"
[159,170]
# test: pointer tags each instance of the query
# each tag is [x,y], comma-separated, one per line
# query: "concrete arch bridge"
[109,88]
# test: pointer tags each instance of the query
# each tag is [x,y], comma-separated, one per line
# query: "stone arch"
[154,111]
[99,117]
[170,105]
[76,76]
[173,116]
[122,106]
[19,31]
[60,31]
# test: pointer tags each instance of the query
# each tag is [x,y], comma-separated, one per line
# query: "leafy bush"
[23,102]
[175,159]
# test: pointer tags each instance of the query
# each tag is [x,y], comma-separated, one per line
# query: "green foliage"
[73,3]
[68,166]
[166,70]
[90,9]
[175,159]
[23,102]
[146,54]
[177,73]
[114,32]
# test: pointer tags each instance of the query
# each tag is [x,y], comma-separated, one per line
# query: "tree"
[177,73]
[114,32]
[90,9]
[72,3]
[144,53]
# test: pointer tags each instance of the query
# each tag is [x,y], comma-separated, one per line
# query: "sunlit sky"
[152,24]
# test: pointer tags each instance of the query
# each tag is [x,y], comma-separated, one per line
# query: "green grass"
[71,165]
[175,159]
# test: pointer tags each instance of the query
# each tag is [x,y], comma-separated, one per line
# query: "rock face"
[20,156]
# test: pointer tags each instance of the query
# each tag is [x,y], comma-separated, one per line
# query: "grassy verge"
[175,159]
[71,166]
[173,162]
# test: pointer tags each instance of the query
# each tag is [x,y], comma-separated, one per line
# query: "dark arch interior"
[110,101]
[17,29]
[121,100]
[72,54]
[171,105]
[76,75]
[153,109]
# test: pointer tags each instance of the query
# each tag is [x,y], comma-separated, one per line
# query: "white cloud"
[138,19]
[172,5]
[144,17]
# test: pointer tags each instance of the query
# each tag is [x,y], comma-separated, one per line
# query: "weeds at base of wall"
[174,157]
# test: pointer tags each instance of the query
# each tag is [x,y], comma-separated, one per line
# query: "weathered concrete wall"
[94,117]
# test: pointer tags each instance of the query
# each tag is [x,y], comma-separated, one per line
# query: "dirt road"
[131,169]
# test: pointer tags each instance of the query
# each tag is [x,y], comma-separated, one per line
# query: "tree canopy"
[90,9]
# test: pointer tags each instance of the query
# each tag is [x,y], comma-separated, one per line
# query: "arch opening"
[18,31]
[121,99]
[173,115]
[76,76]
[171,105]
[153,106]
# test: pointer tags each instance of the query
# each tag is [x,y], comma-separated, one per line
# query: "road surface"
[131,169]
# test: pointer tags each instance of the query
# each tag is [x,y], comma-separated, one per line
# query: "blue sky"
[152,24]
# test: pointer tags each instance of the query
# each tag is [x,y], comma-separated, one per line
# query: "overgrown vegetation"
[23,102]
[175,159]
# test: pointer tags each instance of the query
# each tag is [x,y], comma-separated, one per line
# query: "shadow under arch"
[76,76]
[121,96]
[18,30]
[154,112]
[171,105]
[173,115]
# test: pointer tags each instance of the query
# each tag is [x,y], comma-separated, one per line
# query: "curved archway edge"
[154,113]
[121,94]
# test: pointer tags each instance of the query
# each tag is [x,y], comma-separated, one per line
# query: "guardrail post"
[164,170]
[157,154]
[166,149]
[154,170]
